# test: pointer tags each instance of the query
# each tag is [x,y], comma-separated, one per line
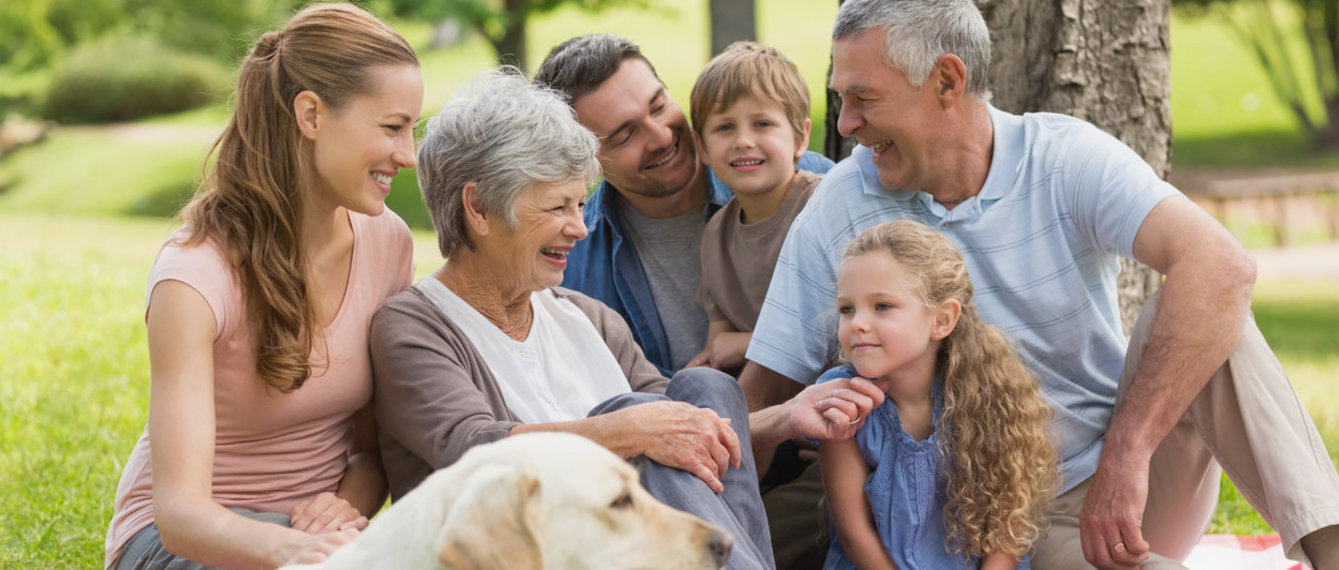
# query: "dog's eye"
[623,501]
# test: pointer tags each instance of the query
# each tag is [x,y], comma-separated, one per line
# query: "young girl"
[261,448]
[955,468]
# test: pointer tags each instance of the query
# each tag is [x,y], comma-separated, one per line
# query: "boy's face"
[751,146]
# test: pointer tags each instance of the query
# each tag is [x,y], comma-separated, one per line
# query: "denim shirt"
[605,265]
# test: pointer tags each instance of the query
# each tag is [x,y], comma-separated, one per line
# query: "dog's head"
[556,501]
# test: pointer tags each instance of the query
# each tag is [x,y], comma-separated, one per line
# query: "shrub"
[121,79]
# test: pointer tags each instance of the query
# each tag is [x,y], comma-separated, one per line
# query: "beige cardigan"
[435,397]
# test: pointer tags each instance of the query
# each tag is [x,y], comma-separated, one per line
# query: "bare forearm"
[214,536]
[607,430]
[1198,323]
[999,561]
[364,483]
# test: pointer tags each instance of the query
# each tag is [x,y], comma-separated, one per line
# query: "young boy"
[750,113]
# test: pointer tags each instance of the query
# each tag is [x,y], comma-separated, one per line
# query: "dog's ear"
[491,525]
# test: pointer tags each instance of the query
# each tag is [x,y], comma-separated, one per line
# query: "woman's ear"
[307,111]
[946,318]
[474,215]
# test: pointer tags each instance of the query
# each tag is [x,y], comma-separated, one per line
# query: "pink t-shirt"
[273,450]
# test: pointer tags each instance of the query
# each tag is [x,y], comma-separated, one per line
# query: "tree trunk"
[510,48]
[731,21]
[1104,61]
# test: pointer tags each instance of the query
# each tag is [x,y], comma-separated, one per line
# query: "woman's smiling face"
[548,223]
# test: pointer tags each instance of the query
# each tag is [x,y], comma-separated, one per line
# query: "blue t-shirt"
[905,489]
[1061,202]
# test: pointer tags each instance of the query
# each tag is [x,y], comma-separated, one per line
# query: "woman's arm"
[362,489]
[181,330]
[844,474]
[674,434]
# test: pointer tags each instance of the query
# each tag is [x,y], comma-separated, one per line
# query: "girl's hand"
[326,513]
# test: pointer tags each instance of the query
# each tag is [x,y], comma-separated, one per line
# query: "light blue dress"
[905,490]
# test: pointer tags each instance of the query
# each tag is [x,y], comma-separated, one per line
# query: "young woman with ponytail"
[260,447]
[955,468]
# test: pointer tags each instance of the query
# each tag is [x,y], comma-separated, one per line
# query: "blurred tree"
[1104,61]
[35,33]
[731,21]
[1267,28]
[501,22]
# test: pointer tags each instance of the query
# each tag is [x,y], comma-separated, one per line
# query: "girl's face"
[885,327]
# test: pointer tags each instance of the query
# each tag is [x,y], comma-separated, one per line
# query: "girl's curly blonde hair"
[998,457]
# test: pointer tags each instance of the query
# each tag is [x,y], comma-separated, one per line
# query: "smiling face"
[884,112]
[751,146]
[358,147]
[885,327]
[548,222]
[646,147]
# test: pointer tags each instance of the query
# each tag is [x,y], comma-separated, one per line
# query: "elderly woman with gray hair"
[488,346]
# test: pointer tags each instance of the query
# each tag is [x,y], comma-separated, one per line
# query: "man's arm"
[1205,298]
[784,409]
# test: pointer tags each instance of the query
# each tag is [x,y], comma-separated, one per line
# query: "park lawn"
[74,397]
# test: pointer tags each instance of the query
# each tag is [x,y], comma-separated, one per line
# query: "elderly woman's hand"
[682,436]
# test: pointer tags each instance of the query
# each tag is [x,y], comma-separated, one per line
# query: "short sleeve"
[1112,191]
[203,268]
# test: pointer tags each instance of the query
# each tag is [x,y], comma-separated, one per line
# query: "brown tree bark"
[731,21]
[1104,61]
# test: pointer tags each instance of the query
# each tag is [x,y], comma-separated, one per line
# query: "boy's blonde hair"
[747,68]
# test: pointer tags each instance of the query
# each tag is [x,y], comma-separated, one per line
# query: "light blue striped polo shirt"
[1061,202]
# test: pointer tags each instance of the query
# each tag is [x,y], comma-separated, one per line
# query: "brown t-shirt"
[738,258]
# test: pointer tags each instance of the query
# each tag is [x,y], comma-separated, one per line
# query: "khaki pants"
[1247,419]
[798,517]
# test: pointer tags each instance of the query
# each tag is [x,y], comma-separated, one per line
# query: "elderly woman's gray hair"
[505,135]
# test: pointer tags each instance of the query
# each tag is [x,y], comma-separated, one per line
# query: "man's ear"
[308,109]
[474,214]
[949,79]
[946,318]
[802,139]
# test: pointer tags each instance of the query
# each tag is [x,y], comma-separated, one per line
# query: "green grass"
[74,394]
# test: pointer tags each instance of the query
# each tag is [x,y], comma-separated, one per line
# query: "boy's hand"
[724,352]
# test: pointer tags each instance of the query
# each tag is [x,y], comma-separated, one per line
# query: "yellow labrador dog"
[534,501]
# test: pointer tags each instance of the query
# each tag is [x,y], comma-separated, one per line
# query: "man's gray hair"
[919,32]
[504,134]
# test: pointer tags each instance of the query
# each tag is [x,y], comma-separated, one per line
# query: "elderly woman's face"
[548,223]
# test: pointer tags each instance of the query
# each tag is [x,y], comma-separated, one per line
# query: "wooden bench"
[1278,197]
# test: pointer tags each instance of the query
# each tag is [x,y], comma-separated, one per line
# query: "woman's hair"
[919,32]
[1000,462]
[748,68]
[503,134]
[250,203]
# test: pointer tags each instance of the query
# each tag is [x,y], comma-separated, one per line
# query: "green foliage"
[36,33]
[128,78]
[1296,43]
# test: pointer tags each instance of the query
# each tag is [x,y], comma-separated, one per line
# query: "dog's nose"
[720,544]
